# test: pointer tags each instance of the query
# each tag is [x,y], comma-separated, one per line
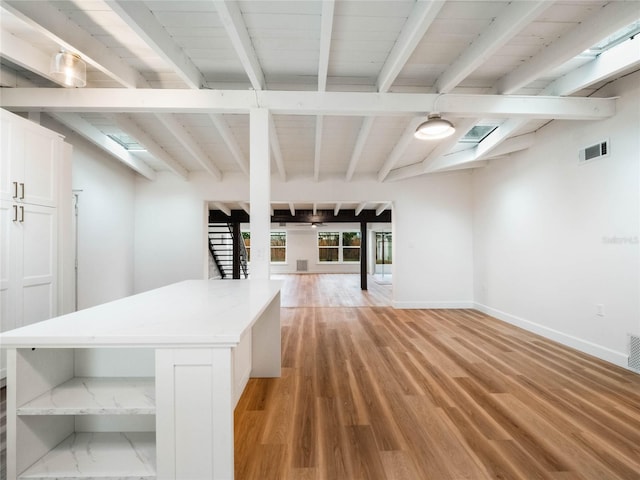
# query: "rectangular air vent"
[634,353]
[593,152]
[302,265]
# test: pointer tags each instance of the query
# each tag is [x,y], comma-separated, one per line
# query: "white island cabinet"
[143,387]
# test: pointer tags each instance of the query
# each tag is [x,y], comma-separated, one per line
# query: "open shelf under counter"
[124,456]
[95,396]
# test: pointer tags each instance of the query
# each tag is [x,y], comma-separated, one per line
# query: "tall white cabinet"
[30,161]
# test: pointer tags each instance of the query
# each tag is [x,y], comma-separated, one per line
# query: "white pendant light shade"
[69,69]
[434,128]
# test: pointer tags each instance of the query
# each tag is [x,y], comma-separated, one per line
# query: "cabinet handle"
[21,214]
[15,189]
[15,213]
[22,191]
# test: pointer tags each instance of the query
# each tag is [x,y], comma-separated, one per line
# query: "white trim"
[400,305]
[585,346]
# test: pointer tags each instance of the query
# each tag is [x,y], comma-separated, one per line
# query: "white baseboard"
[431,305]
[604,353]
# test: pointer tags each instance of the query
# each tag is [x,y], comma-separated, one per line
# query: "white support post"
[260,193]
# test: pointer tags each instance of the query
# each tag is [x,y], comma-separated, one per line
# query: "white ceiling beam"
[326,28]
[245,206]
[306,103]
[599,25]
[223,208]
[499,135]
[471,156]
[99,139]
[318,148]
[399,149]
[26,56]
[360,207]
[231,16]
[51,22]
[336,209]
[405,172]
[465,166]
[292,209]
[445,145]
[230,141]
[381,209]
[605,65]
[513,18]
[140,19]
[356,155]
[275,147]
[189,144]
[9,78]
[129,126]
[419,21]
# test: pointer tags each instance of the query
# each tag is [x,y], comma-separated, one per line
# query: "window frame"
[340,247]
[271,232]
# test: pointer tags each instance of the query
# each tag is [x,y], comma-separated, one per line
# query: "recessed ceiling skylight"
[478,133]
[615,39]
[126,142]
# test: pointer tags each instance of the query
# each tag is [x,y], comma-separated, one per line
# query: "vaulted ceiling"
[346,81]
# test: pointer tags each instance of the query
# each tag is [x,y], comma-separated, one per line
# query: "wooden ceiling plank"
[423,14]
[599,25]
[230,141]
[356,155]
[231,16]
[142,21]
[188,143]
[511,21]
[128,125]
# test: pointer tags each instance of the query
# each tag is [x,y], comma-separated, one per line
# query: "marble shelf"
[95,396]
[98,455]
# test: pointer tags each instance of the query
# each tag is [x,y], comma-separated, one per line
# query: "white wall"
[432,249]
[170,232]
[432,242]
[105,221]
[543,230]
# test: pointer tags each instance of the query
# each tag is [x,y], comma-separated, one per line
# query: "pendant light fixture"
[434,128]
[69,69]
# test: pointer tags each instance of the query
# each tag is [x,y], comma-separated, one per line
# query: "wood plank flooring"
[376,393]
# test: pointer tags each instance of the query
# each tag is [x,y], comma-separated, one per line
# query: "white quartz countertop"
[188,313]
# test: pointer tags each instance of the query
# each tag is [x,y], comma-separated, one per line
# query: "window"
[328,246]
[334,247]
[246,236]
[278,246]
[350,246]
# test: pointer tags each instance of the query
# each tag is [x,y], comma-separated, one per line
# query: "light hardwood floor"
[377,393]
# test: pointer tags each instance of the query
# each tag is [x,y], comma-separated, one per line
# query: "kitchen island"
[142,387]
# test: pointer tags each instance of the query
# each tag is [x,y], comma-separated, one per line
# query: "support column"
[237,238]
[363,255]
[260,193]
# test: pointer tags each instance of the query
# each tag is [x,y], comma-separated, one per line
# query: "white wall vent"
[593,152]
[302,265]
[634,353]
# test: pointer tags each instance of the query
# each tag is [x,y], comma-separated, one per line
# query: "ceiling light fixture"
[434,128]
[69,69]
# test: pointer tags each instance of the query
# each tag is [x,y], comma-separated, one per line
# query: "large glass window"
[278,246]
[350,246]
[334,247]
[328,246]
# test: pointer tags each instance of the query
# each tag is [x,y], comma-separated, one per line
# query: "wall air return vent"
[302,265]
[634,353]
[594,152]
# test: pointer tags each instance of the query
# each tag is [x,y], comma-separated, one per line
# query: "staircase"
[221,242]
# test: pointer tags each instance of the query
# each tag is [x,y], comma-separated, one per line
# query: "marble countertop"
[189,313]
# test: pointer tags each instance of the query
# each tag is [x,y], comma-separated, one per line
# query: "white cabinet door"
[36,272]
[30,156]
[7,266]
